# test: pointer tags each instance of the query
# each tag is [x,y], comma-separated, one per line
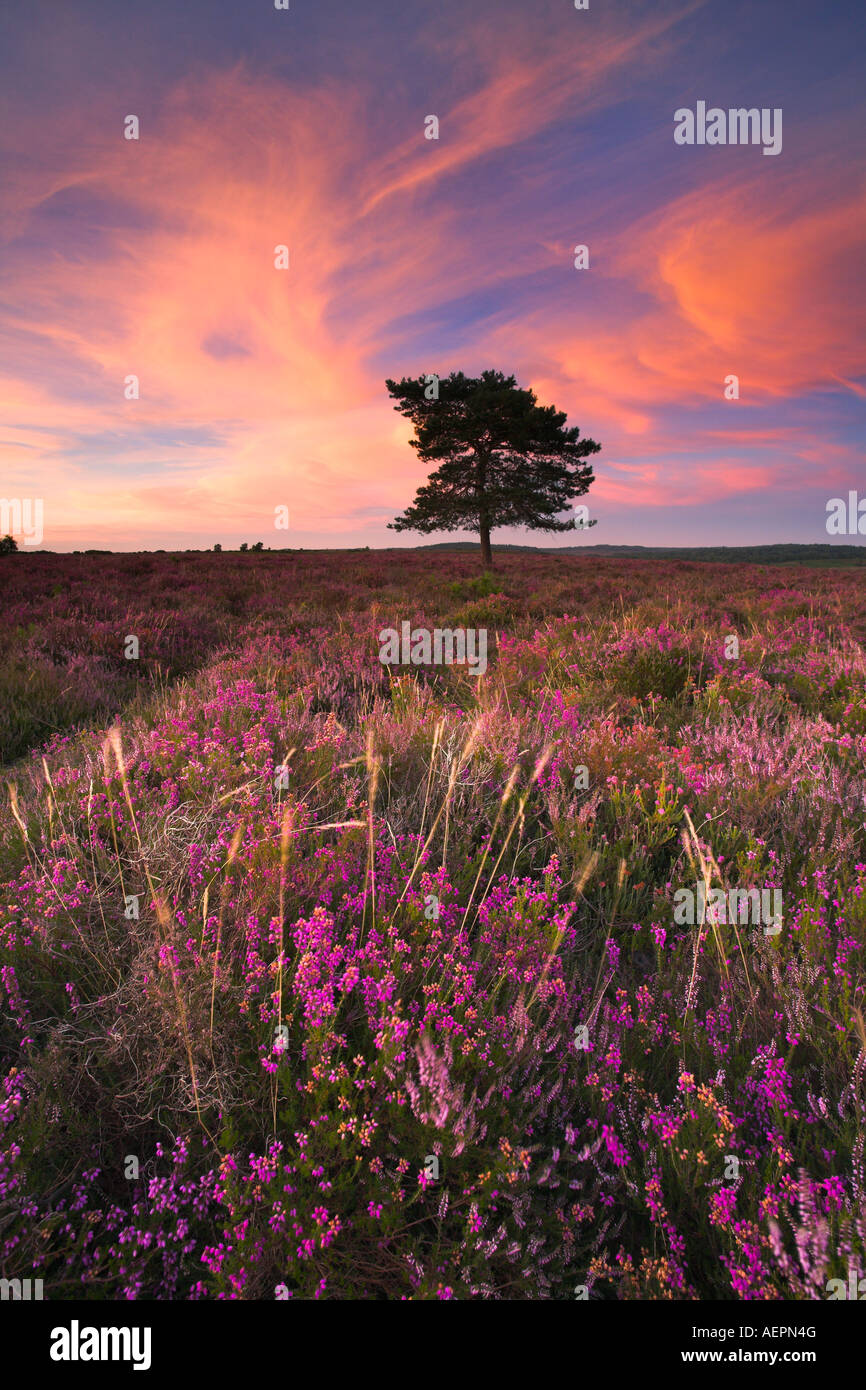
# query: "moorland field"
[322,978]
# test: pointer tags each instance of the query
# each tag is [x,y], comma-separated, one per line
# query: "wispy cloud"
[261,387]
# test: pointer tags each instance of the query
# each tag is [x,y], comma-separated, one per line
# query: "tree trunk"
[483,518]
[486,552]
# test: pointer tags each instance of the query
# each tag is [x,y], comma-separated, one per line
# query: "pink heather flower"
[723,1205]
[615,1148]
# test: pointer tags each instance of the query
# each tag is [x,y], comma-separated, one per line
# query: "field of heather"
[324,978]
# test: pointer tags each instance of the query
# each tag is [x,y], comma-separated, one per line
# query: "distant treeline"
[829,556]
[784,554]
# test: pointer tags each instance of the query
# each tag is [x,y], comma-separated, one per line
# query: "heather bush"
[290,928]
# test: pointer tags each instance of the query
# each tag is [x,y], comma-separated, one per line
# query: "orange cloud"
[261,387]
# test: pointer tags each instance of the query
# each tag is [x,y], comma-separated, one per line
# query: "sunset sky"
[262,387]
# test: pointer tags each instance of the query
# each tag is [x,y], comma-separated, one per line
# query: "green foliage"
[480,586]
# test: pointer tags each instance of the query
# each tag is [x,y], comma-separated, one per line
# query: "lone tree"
[506,460]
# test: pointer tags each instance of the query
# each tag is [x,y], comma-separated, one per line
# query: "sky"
[262,388]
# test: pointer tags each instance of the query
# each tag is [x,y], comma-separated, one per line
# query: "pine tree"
[505,460]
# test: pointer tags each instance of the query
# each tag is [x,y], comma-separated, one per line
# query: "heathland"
[326,978]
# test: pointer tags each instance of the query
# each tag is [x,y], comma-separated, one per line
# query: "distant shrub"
[479,586]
